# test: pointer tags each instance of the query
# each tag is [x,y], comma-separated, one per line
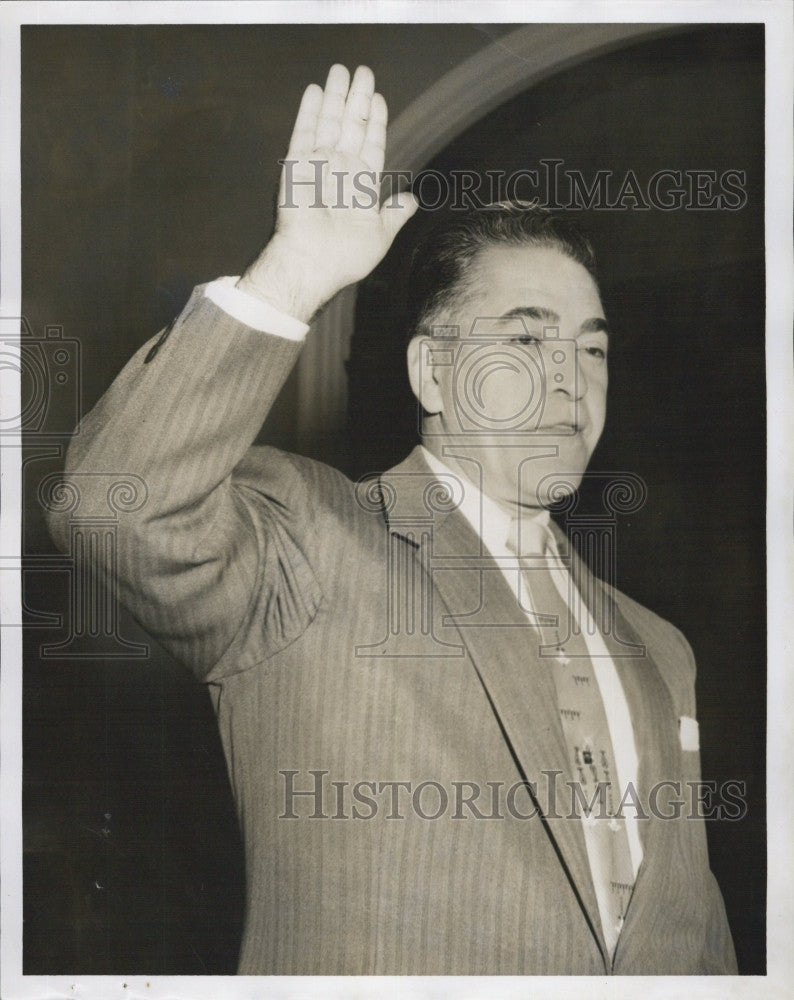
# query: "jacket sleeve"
[212,563]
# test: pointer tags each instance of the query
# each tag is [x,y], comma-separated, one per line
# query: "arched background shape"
[481,83]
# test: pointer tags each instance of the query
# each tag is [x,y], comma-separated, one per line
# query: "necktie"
[591,758]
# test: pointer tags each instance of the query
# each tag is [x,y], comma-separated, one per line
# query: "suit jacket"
[361,647]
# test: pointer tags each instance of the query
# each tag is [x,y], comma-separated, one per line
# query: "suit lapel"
[480,605]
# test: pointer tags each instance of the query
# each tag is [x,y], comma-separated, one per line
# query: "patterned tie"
[584,722]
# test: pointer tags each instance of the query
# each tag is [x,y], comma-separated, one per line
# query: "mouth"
[569,427]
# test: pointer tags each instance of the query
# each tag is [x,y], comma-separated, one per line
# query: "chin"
[557,485]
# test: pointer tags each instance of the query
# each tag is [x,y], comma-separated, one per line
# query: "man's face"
[524,394]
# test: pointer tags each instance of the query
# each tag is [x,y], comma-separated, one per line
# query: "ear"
[422,374]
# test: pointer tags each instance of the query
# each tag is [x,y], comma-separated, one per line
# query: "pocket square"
[689,733]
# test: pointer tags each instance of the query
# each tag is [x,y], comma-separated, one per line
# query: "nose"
[564,373]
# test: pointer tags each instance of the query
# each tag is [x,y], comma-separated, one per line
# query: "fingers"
[357,112]
[347,117]
[373,149]
[329,125]
[304,134]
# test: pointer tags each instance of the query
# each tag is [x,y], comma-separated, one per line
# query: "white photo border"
[777,15]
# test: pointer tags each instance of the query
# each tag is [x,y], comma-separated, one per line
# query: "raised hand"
[330,228]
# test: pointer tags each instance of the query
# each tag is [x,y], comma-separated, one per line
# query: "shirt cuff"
[253,312]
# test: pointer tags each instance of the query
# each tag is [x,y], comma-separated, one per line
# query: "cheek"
[505,398]
[598,382]
[597,411]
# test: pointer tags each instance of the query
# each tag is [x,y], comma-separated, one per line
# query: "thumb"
[396,211]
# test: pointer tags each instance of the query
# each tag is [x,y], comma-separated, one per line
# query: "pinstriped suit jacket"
[356,637]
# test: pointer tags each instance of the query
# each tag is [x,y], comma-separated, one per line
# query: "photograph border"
[780,478]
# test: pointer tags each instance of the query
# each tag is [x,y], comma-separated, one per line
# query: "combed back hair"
[446,255]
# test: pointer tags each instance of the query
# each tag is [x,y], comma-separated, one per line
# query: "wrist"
[289,279]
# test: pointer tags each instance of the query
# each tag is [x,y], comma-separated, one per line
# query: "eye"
[596,352]
[596,347]
[526,339]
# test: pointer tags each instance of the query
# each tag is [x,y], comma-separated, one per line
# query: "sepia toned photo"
[391,438]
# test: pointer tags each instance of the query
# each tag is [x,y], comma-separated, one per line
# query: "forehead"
[508,277]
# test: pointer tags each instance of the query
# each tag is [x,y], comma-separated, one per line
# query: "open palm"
[328,211]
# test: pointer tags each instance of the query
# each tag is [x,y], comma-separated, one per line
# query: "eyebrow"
[596,324]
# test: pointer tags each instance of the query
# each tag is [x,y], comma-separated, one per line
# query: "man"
[444,760]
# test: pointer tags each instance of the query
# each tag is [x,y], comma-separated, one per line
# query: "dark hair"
[445,256]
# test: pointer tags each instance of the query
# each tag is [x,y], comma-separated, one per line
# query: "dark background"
[148,159]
